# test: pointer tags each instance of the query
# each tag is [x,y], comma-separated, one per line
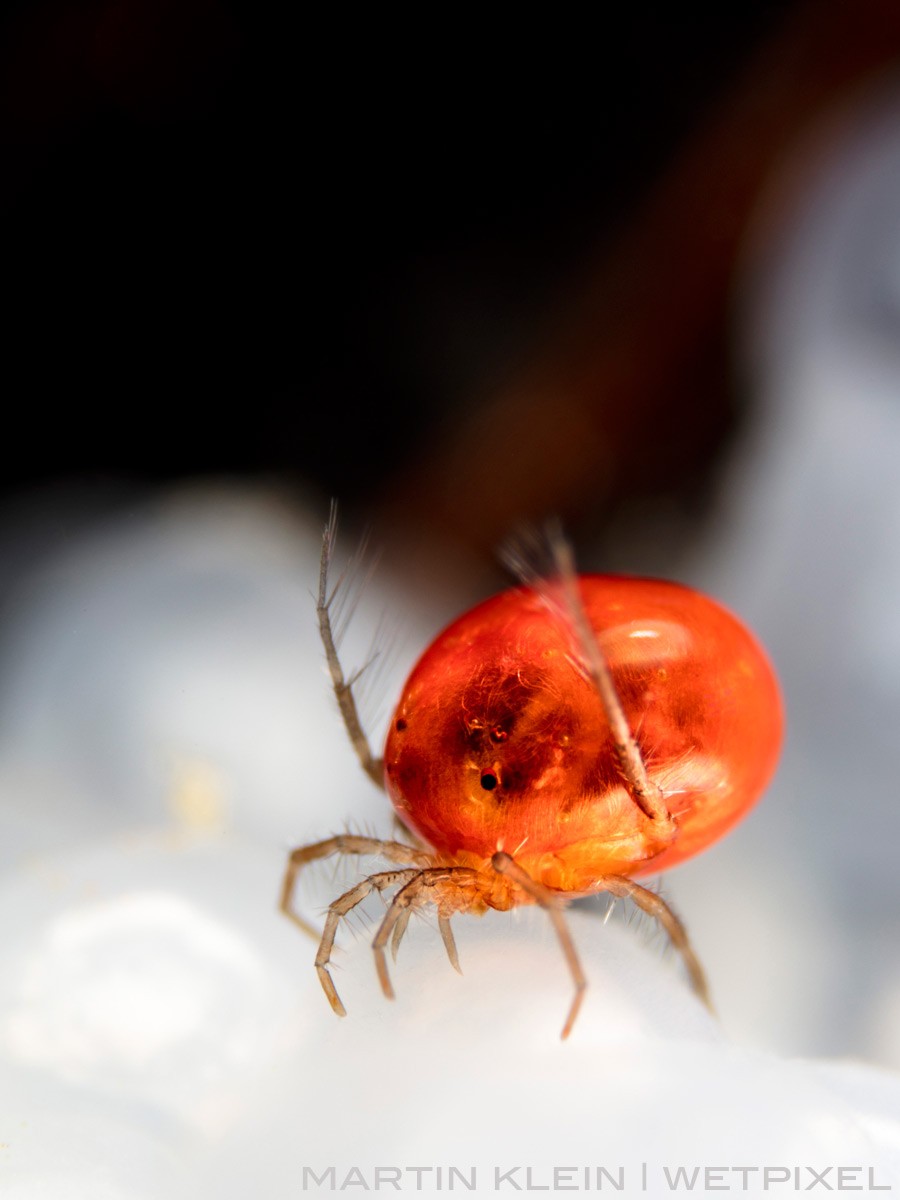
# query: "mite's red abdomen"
[500,740]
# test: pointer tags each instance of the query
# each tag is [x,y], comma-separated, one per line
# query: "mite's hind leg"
[344,843]
[656,907]
[553,905]
[340,908]
[449,888]
[343,688]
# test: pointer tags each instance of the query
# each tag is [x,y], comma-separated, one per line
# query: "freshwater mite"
[554,742]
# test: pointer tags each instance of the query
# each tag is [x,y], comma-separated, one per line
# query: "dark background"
[450,270]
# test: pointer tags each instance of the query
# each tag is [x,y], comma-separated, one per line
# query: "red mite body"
[501,742]
[553,742]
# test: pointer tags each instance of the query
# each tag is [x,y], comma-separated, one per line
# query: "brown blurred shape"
[629,394]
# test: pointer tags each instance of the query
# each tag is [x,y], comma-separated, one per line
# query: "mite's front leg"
[342,843]
[343,688]
[338,909]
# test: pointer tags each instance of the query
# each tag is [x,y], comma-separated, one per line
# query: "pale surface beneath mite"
[147,992]
[161,1028]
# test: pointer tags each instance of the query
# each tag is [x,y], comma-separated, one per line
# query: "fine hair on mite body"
[551,743]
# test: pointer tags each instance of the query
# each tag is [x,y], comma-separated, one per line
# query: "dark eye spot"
[489,781]
[400,725]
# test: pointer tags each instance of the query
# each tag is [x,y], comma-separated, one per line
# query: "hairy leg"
[340,908]
[343,688]
[343,843]
[642,789]
[450,889]
[654,905]
[553,904]
[446,937]
[527,556]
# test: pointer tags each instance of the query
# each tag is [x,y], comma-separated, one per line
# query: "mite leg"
[338,909]
[343,688]
[656,907]
[399,930]
[344,843]
[445,887]
[645,793]
[553,904]
[446,936]
[449,942]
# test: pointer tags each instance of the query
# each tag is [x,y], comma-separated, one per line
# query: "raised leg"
[553,904]
[642,789]
[656,907]
[526,556]
[343,688]
[343,843]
